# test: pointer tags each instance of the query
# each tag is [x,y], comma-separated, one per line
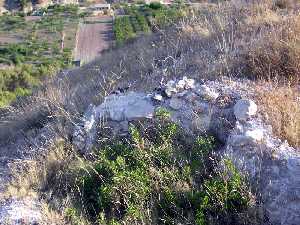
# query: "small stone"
[176,103]
[158,97]
[170,91]
[244,109]
[207,93]
[256,136]
[189,84]
[180,85]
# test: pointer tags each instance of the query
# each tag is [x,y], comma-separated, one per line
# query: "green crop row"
[123,29]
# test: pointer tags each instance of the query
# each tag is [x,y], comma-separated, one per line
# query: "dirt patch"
[94,36]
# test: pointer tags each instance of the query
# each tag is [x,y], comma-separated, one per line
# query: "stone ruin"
[228,113]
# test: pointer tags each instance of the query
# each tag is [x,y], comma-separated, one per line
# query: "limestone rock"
[244,109]
[255,136]
[189,83]
[127,107]
[158,97]
[170,88]
[180,85]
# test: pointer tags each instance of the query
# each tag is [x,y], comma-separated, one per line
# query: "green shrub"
[152,174]
[155,5]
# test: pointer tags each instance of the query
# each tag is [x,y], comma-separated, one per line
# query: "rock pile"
[273,166]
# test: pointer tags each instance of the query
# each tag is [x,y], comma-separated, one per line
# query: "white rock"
[207,93]
[249,137]
[158,97]
[180,85]
[170,91]
[244,109]
[140,109]
[189,83]
[238,140]
[126,107]
[255,136]
[116,114]
[176,103]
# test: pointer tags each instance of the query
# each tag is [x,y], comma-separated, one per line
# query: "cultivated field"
[94,36]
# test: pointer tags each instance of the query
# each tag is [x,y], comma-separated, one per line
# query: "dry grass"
[277,54]
[47,179]
[281,108]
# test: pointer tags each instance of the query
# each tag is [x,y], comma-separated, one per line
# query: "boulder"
[126,107]
[244,109]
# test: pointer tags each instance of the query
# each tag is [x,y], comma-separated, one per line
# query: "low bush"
[156,177]
[155,5]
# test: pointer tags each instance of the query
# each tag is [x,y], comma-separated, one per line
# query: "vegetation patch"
[141,19]
[156,175]
[39,53]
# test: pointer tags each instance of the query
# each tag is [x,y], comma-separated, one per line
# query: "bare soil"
[94,35]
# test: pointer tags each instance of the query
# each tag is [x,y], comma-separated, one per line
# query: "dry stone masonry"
[228,113]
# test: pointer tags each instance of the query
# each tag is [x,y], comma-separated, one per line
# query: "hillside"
[196,122]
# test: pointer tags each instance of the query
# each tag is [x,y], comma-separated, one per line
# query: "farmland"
[33,48]
[141,19]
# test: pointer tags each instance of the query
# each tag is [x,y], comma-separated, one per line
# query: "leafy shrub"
[154,173]
[155,5]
